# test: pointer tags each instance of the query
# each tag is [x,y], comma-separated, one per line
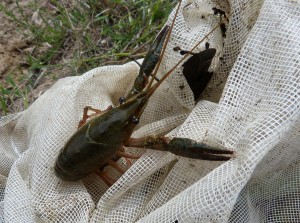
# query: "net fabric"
[251,105]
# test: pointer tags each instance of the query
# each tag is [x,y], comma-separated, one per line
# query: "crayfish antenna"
[151,89]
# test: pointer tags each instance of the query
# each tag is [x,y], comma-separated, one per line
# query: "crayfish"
[100,141]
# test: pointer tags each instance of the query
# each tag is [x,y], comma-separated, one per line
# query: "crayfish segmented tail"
[100,141]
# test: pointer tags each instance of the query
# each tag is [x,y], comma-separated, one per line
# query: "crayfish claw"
[192,149]
[212,150]
[149,63]
[214,157]
[183,147]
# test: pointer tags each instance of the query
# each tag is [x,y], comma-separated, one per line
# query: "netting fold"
[251,106]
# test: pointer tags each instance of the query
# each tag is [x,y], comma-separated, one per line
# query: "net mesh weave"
[251,106]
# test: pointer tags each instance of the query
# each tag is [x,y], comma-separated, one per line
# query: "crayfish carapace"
[101,140]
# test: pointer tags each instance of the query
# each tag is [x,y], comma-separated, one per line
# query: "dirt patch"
[16,43]
[13,42]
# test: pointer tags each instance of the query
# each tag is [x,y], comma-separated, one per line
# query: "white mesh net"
[251,106]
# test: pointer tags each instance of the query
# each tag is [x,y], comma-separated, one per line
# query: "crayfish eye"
[122,100]
[135,120]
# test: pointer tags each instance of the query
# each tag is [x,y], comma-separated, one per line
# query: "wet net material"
[251,106]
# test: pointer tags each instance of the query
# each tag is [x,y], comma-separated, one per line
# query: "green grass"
[82,35]
[12,91]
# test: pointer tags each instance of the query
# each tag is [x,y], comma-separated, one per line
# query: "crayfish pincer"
[102,136]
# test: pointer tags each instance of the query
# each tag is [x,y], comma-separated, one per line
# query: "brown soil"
[15,45]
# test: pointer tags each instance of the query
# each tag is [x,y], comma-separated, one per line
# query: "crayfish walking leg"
[85,115]
[112,162]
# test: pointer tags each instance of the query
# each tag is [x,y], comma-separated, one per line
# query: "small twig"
[72,26]
[129,54]
[131,41]
[42,74]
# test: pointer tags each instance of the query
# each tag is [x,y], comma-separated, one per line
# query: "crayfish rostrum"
[100,141]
